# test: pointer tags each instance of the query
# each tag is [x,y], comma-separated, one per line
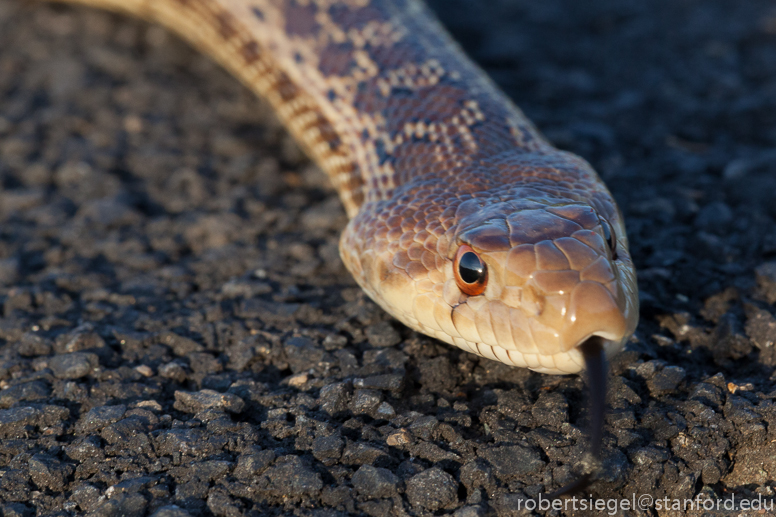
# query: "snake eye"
[611,239]
[471,275]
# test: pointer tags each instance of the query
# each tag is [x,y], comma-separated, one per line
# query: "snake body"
[444,179]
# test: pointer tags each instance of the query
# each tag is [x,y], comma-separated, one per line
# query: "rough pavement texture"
[179,337]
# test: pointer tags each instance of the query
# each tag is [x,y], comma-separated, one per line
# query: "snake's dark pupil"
[471,268]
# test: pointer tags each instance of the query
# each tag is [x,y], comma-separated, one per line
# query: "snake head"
[556,273]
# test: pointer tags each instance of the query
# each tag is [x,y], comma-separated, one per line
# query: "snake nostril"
[593,311]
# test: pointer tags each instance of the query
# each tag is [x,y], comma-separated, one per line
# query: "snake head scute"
[558,272]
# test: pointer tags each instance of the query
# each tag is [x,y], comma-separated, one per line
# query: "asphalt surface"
[179,336]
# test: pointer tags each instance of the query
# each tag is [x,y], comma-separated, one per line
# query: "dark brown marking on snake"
[347,16]
[285,87]
[328,133]
[356,185]
[400,53]
[226,25]
[337,60]
[300,19]
[258,13]
[250,52]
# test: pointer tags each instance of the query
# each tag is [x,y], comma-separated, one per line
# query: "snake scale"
[465,223]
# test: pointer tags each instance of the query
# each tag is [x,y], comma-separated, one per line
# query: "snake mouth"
[593,351]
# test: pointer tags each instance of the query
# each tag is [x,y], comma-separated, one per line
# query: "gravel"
[179,337]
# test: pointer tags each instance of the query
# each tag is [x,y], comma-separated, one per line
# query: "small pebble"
[385,410]
[173,371]
[33,345]
[477,474]
[150,404]
[433,489]
[399,438]
[49,473]
[14,421]
[550,409]
[381,335]
[361,453]
[373,483]
[206,399]
[28,391]
[424,427]
[181,346]
[144,370]
[760,327]
[298,380]
[365,401]
[511,461]
[334,398]
[385,382]
[328,449]
[252,464]
[666,380]
[99,417]
[290,477]
[85,496]
[73,366]
[303,354]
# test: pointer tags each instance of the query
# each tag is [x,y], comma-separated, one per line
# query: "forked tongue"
[595,361]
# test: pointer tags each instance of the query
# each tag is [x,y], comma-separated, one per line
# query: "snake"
[465,223]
